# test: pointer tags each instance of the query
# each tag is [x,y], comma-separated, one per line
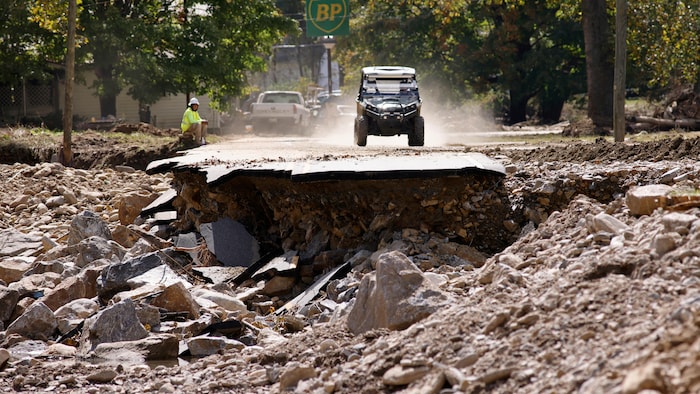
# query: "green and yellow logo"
[327,18]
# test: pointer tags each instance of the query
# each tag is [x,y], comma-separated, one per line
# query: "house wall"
[165,113]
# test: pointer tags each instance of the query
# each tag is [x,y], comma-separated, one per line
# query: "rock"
[153,347]
[4,356]
[37,322]
[87,224]
[394,297]
[115,277]
[131,204]
[96,248]
[603,222]
[176,298]
[223,300]
[102,376]
[68,290]
[114,324]
[278,285]
[647,377]
[12,269]
[8,300]
[678,222]
[295,372]
[16,243]
[60,350]
[202,346]
[643,200]
[36,284]
[399,376]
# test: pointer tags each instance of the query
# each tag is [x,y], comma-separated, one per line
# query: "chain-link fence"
[27,102]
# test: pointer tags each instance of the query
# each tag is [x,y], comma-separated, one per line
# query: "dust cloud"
[465,125]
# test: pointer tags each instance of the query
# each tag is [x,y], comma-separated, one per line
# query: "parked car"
[388,103]
[280,110]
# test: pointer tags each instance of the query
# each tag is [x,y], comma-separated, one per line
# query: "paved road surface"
[338,141]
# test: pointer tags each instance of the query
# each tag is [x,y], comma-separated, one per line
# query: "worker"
[193,124]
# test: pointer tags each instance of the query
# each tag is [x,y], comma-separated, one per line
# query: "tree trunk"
[108,88]
[599,64]
[550,110]
[67,151]
[518,107]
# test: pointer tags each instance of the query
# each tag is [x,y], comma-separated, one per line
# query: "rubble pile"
[597,292]
[311,217]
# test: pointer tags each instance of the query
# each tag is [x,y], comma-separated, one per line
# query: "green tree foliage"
[426,34]
[165,47]
[525,50]
[155,47]
[664,42]
[25,45]
[530,49]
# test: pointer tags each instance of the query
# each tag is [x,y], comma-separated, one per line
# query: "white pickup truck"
[280,110]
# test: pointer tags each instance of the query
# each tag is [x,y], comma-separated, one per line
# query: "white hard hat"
[193,101]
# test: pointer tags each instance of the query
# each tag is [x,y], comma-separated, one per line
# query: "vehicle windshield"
[281,98]
[377,90]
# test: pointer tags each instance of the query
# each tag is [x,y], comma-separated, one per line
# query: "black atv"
[388,104]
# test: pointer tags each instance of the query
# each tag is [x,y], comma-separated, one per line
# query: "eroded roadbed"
[313,206]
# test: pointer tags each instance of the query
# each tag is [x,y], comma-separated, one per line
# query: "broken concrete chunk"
[643,200]
[230,242]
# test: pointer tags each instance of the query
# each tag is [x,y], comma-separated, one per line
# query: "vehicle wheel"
[361,131]
[417,136]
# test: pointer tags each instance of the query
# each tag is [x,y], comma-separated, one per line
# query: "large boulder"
[394,297]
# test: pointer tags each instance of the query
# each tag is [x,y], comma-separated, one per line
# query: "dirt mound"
[91,149]
[602,151]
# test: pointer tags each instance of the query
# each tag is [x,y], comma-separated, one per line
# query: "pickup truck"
[280,110]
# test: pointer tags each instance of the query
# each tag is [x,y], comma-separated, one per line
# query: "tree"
[67,152]
[599,61]
[429,35]
[25,45]
[663,42]
[530,50]
[161,47]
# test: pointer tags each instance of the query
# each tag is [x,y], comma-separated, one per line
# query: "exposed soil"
[92,149]
[566,308]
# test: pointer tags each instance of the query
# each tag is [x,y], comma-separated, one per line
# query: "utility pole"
[620,69]
[67,152]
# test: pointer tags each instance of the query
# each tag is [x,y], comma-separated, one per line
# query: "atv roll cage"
[388,103]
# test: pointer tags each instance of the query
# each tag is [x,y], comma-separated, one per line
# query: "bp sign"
[327,18]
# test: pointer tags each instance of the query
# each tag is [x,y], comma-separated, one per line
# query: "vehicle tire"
[417,136]
[361,131]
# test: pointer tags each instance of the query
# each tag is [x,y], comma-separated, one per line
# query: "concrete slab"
[310,293]
[357,168]
[230,242]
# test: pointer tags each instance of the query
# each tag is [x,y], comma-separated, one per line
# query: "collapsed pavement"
[168,306]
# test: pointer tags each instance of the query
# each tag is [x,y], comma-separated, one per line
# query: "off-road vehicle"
[388,104]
